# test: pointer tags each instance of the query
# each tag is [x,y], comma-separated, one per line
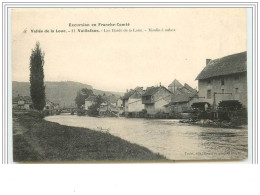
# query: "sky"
[117,61]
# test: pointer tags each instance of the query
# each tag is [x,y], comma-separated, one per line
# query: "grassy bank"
[37,140]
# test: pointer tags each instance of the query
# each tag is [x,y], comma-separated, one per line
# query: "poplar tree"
[37,88]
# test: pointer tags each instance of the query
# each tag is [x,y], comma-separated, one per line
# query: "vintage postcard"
[129,84]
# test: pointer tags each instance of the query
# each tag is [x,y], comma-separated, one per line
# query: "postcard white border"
[252,91]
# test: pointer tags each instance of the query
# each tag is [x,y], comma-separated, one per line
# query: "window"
[222,90]
[209,81]
[236,90]
[209,94]
[222,81]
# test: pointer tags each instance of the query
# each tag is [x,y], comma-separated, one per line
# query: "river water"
[170,138]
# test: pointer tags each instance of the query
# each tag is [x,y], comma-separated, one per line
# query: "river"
[170,138]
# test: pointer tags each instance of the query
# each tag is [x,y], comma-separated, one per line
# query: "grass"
[37,140]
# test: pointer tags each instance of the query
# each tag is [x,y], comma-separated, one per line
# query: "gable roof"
[131,92]
[49,102]
[190,88]
[137,94]
[183,97]
[175,83]
[231,64]
[151,90]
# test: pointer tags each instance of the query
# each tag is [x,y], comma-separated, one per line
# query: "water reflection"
[175,140]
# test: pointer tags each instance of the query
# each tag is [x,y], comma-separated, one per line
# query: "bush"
[93,110]
[239,118]
[36,113]
[175,115]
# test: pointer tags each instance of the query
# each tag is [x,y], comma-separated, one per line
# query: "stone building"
[224,79]
[22,102]
[182,100]
[135,100]
[155,99]
[132,100]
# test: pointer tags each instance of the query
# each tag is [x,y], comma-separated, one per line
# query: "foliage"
[37,88]
[93,110]
[45,141]
[82,95]
[239,118]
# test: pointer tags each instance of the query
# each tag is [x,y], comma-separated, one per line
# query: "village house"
[224,79]
[155,99]
[49,105]
[125,99]
[119,105]
[135,104]
[174,86]
[22,102]
[182,100]
[56,106]
[132,101]
[109,104]
[89,101]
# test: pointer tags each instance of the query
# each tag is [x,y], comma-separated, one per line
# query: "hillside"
[63,92]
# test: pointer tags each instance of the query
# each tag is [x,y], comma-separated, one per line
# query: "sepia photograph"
[154,85]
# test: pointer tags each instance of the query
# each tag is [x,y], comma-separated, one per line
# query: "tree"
[82,95]
[93,109]
[37,88]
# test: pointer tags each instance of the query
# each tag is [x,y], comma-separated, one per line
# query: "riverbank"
[37,140]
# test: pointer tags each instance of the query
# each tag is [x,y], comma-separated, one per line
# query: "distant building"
[174,86]
[135,100]
[90,101]
[103,107]
[56,106]
[182,100]
[155,99]
[125,99]
[132,100]
[49,105]
[109,104]
[22,102]
[119,105]
[119,102]
[224,79]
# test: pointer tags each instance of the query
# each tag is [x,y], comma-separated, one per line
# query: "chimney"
[207,61]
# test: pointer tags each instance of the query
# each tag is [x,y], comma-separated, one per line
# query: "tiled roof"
[151,90]
[137,94]
[182,97]
[190,88]
[231,64]
[175,83]
[131,92]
